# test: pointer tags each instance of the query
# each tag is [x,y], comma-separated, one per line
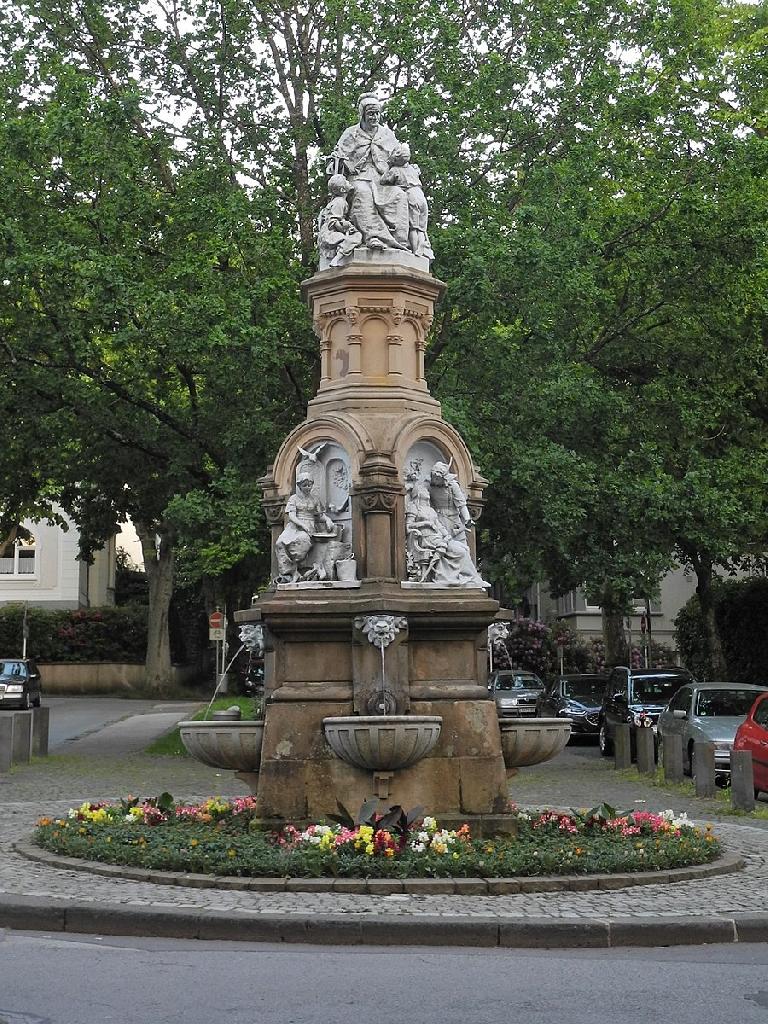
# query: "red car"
[752,735]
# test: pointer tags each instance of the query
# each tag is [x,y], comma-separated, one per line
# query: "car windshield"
[656,689]
[726,703]
[518,681]
[12,668]
[584,689]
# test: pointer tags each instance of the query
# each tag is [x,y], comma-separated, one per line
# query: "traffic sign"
[216,620]
[217,634]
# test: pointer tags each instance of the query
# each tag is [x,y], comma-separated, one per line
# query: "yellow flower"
[44,821]
[369,849]
[109,839]
[389,852]
[455,856]
[193,842]
[231,853]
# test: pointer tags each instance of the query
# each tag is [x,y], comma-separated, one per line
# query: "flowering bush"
[221,836]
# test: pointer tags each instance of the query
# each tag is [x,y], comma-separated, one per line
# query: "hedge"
[83,635]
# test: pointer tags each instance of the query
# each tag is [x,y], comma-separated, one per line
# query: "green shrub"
[82,635]
[741,616]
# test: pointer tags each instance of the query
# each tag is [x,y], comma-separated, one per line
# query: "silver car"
[708,712]
[516,692]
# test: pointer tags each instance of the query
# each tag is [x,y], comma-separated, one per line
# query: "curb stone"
[38,914]
[390,886]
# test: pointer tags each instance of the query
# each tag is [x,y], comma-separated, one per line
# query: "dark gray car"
[708,712]
[19,683]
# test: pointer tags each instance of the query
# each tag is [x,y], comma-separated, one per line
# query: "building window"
[21,561]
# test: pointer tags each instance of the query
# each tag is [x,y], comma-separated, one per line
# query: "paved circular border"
[724,865]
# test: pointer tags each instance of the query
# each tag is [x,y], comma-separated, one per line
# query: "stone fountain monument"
[375,625]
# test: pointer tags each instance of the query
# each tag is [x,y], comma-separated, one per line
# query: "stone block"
[429,886]
[704,768]
[6,741]
[742,780]
[40,728]
[553,933]
[672,758]
[670,931]
[22,737]
[646,751]
[622,748]
[428,930]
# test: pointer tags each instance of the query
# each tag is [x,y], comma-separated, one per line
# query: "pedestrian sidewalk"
[726,908]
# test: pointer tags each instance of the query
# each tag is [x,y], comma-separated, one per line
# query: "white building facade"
[45,571]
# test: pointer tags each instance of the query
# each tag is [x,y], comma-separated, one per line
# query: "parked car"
[636,697]
[578,696]
[515,692]
[19,684]
[708,712]
[752,735]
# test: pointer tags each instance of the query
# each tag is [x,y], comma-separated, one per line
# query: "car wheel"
[37,701]
[26,702]
[605,745]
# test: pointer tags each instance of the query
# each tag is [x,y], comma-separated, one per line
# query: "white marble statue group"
[312,548]
[375,195]
[436,522]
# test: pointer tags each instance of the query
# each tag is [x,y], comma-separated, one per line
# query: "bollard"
[40,724]
[646,751]
[672,757]
[21,747]
[6,741]
[622,750]
[704,768]
[742,781]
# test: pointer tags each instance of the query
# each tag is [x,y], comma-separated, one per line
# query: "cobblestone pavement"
[578,779]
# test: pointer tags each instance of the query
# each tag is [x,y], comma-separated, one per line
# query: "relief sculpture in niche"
[436,523]
[315,545]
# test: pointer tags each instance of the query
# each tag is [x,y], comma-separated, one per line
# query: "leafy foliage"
[741,611]
[87,635]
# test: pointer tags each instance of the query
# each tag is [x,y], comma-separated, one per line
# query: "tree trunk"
[613,609]
[157,548]
[702,566]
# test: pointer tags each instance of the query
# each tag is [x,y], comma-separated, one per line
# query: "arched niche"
[421,457]
[330,467]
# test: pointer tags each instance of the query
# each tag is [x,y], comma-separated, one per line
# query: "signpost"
[217,633]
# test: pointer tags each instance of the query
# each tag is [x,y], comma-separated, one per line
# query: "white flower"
[418,847]
[430,824]
[423,837]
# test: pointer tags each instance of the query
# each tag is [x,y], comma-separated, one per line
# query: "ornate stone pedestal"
[372,501]
[372,423]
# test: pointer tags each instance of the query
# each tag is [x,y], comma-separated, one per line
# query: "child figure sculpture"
[408,176]
[337,236]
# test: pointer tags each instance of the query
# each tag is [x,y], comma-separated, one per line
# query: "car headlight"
[573,709]
[14,689]
[723,745]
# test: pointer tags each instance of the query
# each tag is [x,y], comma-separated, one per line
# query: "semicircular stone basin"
[382,742]
[527,741]
[235,745]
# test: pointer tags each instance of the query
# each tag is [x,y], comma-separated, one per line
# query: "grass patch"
[722,795]
[170,744]
[224,837]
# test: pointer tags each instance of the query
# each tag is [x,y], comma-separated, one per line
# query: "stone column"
[377,497]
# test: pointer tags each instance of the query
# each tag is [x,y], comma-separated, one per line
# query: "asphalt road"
[97,980]
[77,722]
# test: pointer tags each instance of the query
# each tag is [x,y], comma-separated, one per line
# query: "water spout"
[221,680]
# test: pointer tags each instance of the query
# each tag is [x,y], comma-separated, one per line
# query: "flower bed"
[223,837]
